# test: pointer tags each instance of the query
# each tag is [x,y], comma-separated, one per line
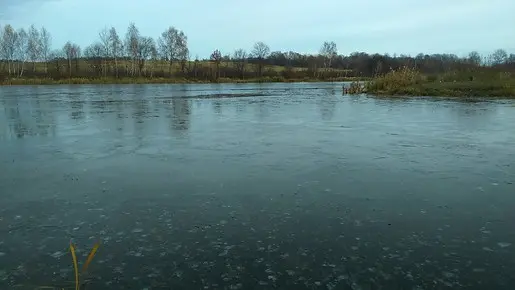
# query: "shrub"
[395,80]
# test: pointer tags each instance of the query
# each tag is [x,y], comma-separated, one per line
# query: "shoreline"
[410,82]
[454,90]
[473,89]
[124,81]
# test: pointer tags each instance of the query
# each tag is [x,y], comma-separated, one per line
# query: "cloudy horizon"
[372,26]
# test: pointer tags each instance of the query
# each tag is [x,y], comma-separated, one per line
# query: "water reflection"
[326,106]
[27,117]
[217,106]
[262,106]
[181,108]
[77,109]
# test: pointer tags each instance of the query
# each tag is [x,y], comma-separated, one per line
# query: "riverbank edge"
[123,81]
[459,90]
[486,91]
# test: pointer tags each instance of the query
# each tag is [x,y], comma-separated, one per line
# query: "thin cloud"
[401,26]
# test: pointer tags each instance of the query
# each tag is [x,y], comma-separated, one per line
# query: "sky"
[372,26]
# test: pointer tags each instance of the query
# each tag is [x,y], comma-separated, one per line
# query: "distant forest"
[28,53]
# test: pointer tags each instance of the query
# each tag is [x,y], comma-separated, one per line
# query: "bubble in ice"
[503,244]
[57,254]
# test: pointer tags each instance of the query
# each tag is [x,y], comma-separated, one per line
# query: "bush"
[395,80]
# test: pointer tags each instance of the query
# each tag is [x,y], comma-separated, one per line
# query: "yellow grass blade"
[75,265]
[90,256]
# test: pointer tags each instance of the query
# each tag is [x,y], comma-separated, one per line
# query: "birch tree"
[183,53]
[154,57]
[115,47]
[22,49]
[45,39]
[68,53]
[9,42]
[34,46]
[106,47]
[72,52]
[132,44]
[76,55]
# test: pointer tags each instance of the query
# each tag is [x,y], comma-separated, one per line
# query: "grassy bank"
[409,82]
[128,80]
[85,81]
[84,71]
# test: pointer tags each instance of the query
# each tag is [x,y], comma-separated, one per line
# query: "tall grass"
[410,82]
[80,283]
[395,80]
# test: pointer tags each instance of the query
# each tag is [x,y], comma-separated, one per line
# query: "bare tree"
[95,55]
[71,52]
[132,44]
[511,58]
[34,46]
[240,60]
[106,47]
[146,48]
[22,49]
[76,55]
[68,52]
[9,43]
[154,57]
[474,58]
[115,47]
[499,57]
[290,57]
[56,56]
[183,53]
[46,40]
[216,57]
[328,52]
[195,66]
[169,45]
[379,69]
[260,52]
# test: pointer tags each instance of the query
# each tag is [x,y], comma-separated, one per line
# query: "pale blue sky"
[395,26]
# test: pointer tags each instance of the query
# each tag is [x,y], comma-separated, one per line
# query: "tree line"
[29,53]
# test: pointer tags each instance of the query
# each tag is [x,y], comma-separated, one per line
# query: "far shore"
[380,86]
[142,80]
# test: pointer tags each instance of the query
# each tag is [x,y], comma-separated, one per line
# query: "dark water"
[278,186]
